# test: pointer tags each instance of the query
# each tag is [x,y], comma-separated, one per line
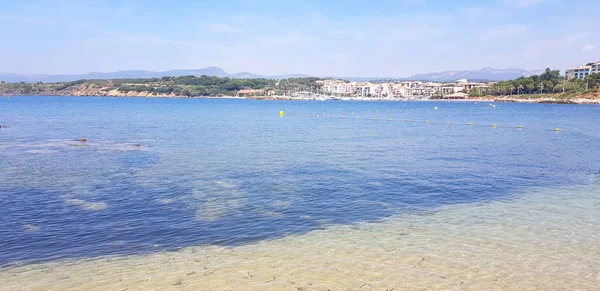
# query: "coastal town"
[461,89]
[343,89]
[404,89]
[577,85]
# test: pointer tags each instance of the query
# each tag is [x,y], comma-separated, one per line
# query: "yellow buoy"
[557,129]
[281,113]
[494,125]
[435,108]
[520,126]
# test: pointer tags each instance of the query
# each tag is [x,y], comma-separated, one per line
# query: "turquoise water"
[163,174]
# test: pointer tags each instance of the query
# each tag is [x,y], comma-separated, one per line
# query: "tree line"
[550,81]
[179,86]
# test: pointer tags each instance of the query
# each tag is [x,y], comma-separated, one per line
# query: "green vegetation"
[70,84]
[176,86]
[549,82]
[22,88]
[188,85]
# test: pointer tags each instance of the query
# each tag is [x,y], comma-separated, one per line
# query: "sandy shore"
[509,99]
[545,240]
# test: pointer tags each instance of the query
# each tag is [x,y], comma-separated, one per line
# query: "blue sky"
[342,38]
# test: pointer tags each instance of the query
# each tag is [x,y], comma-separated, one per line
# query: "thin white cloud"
[501,33]
[225,28]
[317,43]
[588,47]
[523,3]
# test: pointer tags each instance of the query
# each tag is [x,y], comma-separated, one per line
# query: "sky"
[347,38]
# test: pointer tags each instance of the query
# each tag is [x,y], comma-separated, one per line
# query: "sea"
[108,193]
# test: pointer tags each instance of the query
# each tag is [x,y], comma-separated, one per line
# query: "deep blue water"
[230,172]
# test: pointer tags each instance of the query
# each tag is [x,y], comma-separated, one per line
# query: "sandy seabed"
[545,239]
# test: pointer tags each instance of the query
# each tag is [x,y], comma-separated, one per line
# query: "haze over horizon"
[334,38]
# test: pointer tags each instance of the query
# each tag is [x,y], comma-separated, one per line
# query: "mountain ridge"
[135,74]
[486,73]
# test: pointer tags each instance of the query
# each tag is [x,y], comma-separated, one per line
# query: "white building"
[414,92]
[596,68]
[468,86]
[431,89]
[337,87]
[448,89]
[411,84]
[404,89]
[581,72]
[398,90]
[363,89]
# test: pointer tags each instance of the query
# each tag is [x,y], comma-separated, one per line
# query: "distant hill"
[487,73]
[209,71]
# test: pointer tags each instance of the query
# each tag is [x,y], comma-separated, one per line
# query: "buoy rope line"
[403,120]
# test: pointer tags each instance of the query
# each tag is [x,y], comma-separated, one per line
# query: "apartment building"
[411,84]
[595,68]
[580,72]
[404,89]
[337,87]
[468,86]
[363,89]
[431,89]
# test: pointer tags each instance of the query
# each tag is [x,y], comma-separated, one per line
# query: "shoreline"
[499,99]
[404,252]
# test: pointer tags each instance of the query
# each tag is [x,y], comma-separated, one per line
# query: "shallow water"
[546,239]
[169,187]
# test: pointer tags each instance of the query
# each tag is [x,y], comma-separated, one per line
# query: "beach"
[547,239]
